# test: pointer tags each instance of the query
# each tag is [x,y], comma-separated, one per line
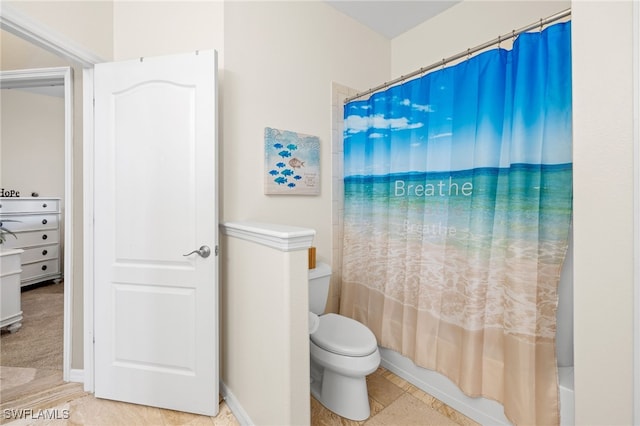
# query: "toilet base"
[331,391]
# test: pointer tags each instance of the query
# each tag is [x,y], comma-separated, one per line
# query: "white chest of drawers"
[36,223]
[10,303]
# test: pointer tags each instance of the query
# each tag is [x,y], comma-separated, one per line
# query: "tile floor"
[394,401]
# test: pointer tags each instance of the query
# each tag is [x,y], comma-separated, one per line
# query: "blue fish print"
[291,185]
[297,177]
[280,180]
[287,172]
[277,145]
[280,164]
[273,172]
[292,147]
[284,154]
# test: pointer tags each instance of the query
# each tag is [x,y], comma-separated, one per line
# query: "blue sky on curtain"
[458,197]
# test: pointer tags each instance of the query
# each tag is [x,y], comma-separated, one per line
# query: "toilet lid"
[344,336]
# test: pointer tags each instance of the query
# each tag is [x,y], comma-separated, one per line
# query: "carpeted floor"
[38,343]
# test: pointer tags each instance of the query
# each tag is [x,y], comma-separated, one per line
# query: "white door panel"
[156,331]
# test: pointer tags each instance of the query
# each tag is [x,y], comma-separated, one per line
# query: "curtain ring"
[443,62]
[541,24]
[468,53]
[499,41]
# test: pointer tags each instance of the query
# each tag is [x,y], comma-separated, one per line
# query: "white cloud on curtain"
[458,197]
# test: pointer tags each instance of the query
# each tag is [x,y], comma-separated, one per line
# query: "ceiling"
[391,18]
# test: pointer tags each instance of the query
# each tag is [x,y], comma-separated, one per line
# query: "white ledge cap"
[281,237]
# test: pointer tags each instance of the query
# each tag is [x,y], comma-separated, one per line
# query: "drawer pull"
[44,267]
[44,237]
[44,221]
[44,206]
[44,252]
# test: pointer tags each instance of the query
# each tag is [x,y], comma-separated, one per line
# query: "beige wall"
[603,211]
[89,24]
[280,61]
[32,143]
[16,54]
[154,28]
[466,25]
[264,333]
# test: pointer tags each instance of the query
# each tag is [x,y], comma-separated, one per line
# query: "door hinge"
[216,251]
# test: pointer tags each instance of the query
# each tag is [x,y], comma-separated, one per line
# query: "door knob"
[203,251]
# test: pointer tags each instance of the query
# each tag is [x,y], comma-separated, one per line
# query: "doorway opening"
[53,80]
[14,23]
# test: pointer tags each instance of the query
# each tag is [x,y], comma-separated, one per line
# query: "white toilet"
[343,353]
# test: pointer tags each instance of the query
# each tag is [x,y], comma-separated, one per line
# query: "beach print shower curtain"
[458,197]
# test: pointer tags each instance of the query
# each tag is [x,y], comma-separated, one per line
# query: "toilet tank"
[319,279]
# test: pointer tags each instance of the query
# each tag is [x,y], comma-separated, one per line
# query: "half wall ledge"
[280,237]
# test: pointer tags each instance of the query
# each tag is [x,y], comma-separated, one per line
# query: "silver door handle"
[203,251]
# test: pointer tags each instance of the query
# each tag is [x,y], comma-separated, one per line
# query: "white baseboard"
[482,410]
[235,406]
[76,375]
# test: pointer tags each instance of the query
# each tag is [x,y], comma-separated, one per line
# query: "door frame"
[59,76]
[636,192]
[88,159]
[38,34]
[35,32]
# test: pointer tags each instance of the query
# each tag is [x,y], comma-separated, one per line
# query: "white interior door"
[156,308]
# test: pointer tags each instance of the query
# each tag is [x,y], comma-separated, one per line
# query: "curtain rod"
[444,61]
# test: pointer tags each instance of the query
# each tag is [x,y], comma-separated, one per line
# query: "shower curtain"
[458,197]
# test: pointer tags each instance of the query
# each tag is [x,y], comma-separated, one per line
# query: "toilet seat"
[344,336]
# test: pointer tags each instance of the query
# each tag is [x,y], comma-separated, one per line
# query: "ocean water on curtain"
[427,239]
[445,208]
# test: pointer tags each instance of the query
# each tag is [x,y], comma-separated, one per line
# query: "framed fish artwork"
[291,163]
